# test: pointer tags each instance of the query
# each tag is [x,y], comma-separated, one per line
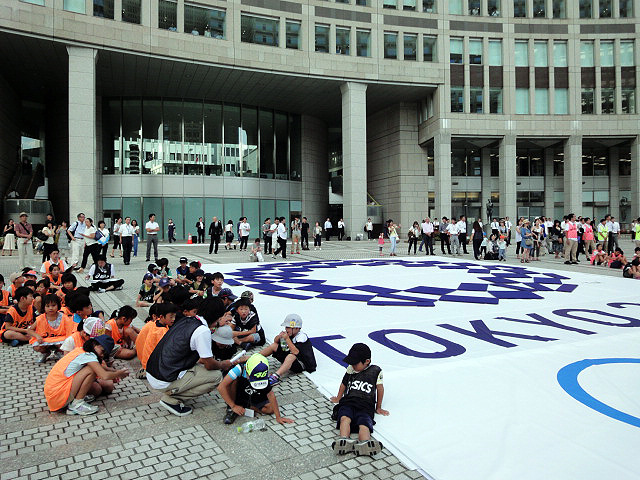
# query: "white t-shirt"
[244,229]
[615,227]
[273,228]
[152,226]
[126,230]
[340,224]
[369,226]
[88,231]
[79,362]
[452,228]
[200,342]
[495,225]
[327,225]
[462,226]
[282,231]
[92,270]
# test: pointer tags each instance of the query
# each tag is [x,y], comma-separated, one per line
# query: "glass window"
[322,38]
[559,9]
[429,6]
[261,30]
[561,101]
[456,47]
[540,54]
[626,53]
[193,129]
[522,53]
[522,101]
[495,100]
[429,48]
[475,99]
[410,46]
[586,7]
[213,148]
[293,34]
[172,136]
[231,160]
[495,52]
[363,43]
[605,8]
[35,2]
[608,100]
[343,40]
[539,8]
[606,53]
[560,53]
[362,2]
[475,52]
[390,45]
[458,162]
[455,7]
[409,5]
[267,145]
[111,137]
[587,100]
[626,8]
[474,7]
[76,6]
[167,15]
[152,138]
[131,11]
[295,148]
[628,100]
[624,166]
[249,141]
[209,22]
[519,8]
[586,53]
[282,146]
[390,4]
[131,123]
[542,101]
[103,8]
[493,8]
[457,99]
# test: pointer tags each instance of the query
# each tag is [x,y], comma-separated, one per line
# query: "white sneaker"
[82,408]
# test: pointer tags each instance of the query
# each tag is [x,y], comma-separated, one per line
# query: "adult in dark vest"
[182,364]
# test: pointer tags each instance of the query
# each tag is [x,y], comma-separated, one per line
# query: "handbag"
[41,236]
[528,242]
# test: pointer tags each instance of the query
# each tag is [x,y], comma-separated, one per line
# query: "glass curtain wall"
[175,137]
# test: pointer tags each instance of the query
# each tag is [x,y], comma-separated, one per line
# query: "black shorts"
[296,367]
[245,400]
[358,417]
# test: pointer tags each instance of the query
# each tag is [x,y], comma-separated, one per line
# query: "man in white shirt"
[273,228]
[508,225]
[182,364]
[614,230]
[327,228]
[76,236]
[152,229]
[369,227]
[54,260]
[462,233]
[200,230]
[495,228]
[126,238]
[452,231]
[427,236]
[245,228]
[282,238]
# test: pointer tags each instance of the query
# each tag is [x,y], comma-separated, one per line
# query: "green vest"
[637,232]
[602,234]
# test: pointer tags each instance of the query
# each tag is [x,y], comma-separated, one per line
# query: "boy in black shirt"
[359,398]
[248,332]
[222,345]
[292,349]
[182,271]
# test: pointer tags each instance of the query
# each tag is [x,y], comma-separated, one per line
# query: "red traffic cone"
[189,240]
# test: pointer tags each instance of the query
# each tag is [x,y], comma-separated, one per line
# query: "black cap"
[183,260]
[359,352]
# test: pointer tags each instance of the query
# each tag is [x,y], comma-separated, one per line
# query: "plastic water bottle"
[252,425]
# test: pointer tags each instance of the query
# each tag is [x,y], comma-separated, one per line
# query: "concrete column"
[117,10]
[549,199]
[82,131]
[485,162]
[442,171]
[180,16]
[614,182]
[573,175]
[507,178]
[354,155]
[635,178]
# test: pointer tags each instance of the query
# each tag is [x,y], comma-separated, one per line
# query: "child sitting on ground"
[4,299]
[69,283]
[256,252]
[53,327]
[599,256]
[162,293]
[359,399]
[182,271]
[222,344]
[88,328]
[19,317]
[123,333]
[247,386]
[292,349]
[248,332]
[147,291]
[162,317]
[198,287]
[617,259]
[55,277]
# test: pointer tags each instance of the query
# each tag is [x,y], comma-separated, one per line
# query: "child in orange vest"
[4,299]
[162,317]
[14,329]
[75,377]
[89,328]
[123,333]
[55,278]
[53,326]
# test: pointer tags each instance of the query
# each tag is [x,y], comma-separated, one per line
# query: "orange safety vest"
[77,338]
[18,321]
[115,332]
[57,386]
[48,264]
[50,334]
[152,335]
[572,232]
[54,282]
[4,301]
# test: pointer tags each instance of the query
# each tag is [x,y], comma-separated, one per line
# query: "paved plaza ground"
[131,437]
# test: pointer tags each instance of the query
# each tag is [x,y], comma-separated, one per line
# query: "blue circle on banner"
[568,380]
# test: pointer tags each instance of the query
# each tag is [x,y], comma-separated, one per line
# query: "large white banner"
[491,371]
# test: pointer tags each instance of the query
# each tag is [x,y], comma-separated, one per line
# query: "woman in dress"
[527,241]
[228,234]
[49,244]
[63,240]
[9,237]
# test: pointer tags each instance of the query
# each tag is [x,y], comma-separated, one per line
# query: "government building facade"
[354,108]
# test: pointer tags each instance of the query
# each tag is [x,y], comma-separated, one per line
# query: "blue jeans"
[135,245]
[393,244]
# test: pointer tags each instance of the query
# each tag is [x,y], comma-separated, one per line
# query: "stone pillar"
[485,162]
[442,171]
[354,156]
[635,178]
[549,182]
[573,175]
[83,176]
[507,178]
[315,171]
[614,182]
